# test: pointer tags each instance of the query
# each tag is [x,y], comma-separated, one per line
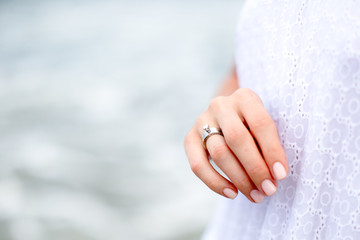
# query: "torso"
[303,60]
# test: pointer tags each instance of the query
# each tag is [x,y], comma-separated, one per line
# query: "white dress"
[303,59]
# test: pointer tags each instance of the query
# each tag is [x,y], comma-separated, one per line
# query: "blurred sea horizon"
[96,98]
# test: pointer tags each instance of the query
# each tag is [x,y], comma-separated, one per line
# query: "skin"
[248,150]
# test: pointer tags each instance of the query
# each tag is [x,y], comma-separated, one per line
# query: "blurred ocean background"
[96,98]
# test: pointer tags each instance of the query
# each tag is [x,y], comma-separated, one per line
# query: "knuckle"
[274,150]
[274,153]
[195,166]
[200,122]
[213,184]
[257,172]
[259,121]
[243,185]
[218,151]
[217,103]
[245,94]
[201,119]
[189,139]
[235,135]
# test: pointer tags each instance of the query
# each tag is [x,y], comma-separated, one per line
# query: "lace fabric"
[303,59]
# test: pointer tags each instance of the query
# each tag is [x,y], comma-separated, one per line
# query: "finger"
[265,132]
[202,168]
[227,162]
[242,144]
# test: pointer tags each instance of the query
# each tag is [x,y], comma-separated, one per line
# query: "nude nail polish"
[279,171]
[230,193]
[257,196]
[268,187]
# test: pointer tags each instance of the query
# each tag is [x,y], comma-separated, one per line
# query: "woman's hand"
[249,152]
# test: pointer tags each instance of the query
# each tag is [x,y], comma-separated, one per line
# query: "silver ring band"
[210,132]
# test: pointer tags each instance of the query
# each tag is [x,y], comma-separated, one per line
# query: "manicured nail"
[279,170]
[230,193]
[268,187]
[257,196]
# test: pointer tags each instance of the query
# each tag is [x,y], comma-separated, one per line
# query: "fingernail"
[279,170]
[257,196]
[230,193]
[268,187]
